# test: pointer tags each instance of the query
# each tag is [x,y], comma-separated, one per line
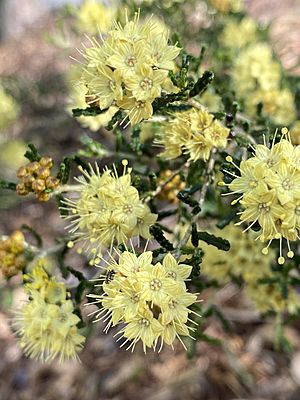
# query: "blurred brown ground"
[245,367]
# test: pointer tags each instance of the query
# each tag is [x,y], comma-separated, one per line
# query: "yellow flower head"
[192,132]
[108,210]
[130,68]
[254,68]
[46,324]
[243,260]
[227,5]
[151,300]
[238,34]
[94,17]
[277,104]
[269,188]
[12,258]
[268,297]
[78,99]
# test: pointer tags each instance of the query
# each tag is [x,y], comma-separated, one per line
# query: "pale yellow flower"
[192,132]
[46,324]
[270,191]
[268,297]
[238,34]
[108,210]
[137,109]
[94,17]
[145,83]
[243,260]
[254,68]
[278,104]
[150,299]
[130,68]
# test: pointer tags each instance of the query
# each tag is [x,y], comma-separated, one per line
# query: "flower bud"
[43,172]
[32,167]
[22,171]
[27,180]
[43,196]
[52,182]
[21,189]
[38,185]
[46,162]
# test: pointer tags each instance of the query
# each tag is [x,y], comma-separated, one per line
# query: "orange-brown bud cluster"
[36,177]
[170,190]
[12,258]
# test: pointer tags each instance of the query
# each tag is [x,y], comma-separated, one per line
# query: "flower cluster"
[194,132]
[108,210]
[130,68]
[268,297]
[256,77]
[243,260]
[152,300]
[9,110]
[269,188]
[226,6]
[36,177]
[237,34]
[77,99]
[93,17]
[46,324]
[12,258]
[171,188]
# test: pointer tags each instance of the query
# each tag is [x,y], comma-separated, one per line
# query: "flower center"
[131,60]
[155,284]
[171,274]
[63,317]
[135,298]
[172,304]
[144,322]
[128,209]
[253,183]
[287,184]
[139,104]
[263,208]
[146,84]
[271,162]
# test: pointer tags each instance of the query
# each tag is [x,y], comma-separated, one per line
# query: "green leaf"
[218,242]
[92,148]
[7,185]
[64,170]
[88,112]
[202,84]
[32,154]
[119,116]
[157,232]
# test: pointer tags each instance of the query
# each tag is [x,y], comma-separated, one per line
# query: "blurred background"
[35,45]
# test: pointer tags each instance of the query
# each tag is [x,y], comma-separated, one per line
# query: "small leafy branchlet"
[36,177]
